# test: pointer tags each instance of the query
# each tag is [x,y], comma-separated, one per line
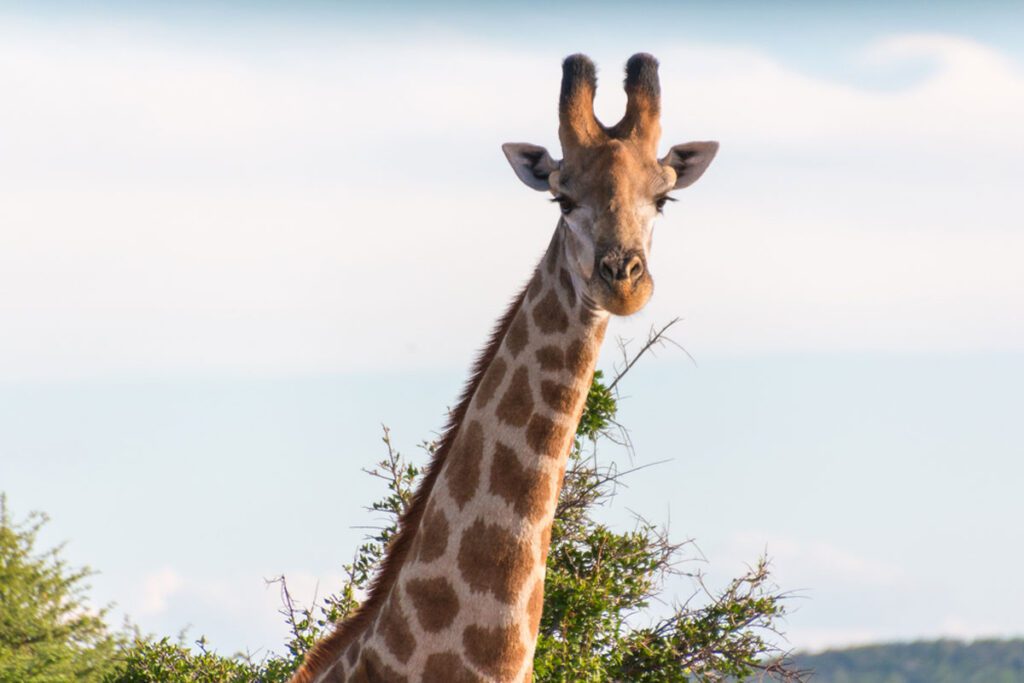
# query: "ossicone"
[577,124]
[579,127]
[641,121]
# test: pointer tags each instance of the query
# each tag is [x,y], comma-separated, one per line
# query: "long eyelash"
[567,204]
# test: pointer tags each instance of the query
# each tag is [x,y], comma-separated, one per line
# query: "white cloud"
[810,563]
[972,95]
[174,207]
[156,589]
[235,611]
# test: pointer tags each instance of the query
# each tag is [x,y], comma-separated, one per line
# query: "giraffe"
[459,595]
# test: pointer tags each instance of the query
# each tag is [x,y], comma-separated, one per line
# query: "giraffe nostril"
[619,268]
[634,268]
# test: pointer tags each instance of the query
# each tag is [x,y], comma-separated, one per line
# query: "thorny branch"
[654,338]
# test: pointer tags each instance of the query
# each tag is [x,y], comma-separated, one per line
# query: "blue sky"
[217,231]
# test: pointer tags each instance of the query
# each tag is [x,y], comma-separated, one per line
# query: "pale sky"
[234,242]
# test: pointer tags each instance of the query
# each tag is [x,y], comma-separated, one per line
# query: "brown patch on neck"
[550,358]
[433,538]
[492,559]
[447,667]
[526,489]
[435,602]
[549,316]
[395,628]
[463,474]
[497,651]
[327,650]
[372,670]
[516,404]
[535,607]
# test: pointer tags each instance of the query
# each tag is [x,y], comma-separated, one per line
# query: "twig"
[655,337]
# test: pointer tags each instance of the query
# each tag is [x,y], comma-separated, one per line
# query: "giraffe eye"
[660,202]
[565,203]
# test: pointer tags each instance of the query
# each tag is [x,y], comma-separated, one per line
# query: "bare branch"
[654,338]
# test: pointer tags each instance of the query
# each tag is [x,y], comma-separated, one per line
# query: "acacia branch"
[654,338]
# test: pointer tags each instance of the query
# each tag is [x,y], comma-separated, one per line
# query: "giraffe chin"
[621,299]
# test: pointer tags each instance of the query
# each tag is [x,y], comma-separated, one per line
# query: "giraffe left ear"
[689,161]
[532,163]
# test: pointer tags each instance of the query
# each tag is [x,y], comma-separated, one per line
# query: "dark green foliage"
[48,632]
[598,414]
[147,660]
[941,661]
[722,639]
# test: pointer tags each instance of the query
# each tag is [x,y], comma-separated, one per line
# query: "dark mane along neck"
[325,652]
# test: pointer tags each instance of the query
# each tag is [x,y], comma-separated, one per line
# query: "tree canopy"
[48,630]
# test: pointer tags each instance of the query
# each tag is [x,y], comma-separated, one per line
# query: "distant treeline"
[939,661]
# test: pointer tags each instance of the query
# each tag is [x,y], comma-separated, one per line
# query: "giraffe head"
[610,183]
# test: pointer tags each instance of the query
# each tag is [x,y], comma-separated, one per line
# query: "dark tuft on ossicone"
[577,71]
[642,74]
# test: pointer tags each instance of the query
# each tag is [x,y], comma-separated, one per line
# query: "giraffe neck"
[464,603]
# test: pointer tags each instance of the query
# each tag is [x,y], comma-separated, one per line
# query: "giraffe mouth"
[620,297]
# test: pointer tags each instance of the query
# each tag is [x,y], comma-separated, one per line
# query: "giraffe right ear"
[531,163]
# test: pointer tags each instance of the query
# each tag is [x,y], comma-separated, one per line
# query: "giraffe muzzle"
[627,282]
[621,268]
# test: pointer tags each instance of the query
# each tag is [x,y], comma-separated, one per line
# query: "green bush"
[148,659]
[48,632]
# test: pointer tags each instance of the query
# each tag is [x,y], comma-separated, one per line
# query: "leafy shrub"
[48,632]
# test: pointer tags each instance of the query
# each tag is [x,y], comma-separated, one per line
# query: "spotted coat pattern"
[466,605]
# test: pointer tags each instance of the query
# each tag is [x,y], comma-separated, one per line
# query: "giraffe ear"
[531,163]
[689,161]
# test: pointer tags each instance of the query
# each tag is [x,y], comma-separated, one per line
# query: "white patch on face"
[579,242]
[647,214]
